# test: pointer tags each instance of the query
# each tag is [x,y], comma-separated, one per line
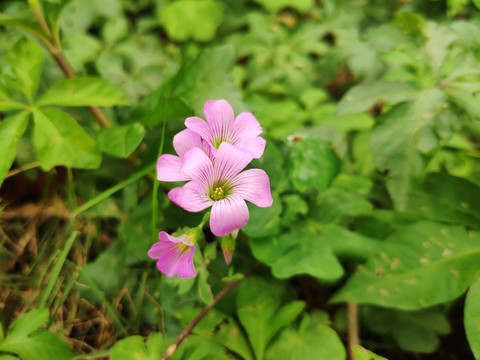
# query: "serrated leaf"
[421,265]
[26,60]
[311,342]
[312,164]
[472,318]
[122,140]
[185,19]
[11,129]
[298,251]
[82,91]
[257,304]
[59,140]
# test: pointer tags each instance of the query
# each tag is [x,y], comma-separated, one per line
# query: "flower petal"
[228,215]
[253,185]
[198,166]
[229,161]
[185,267]
[189,199]
[163,236]
[169,168]
[220,117]
[244,127]
[186,140]
[199,126]
[256,145]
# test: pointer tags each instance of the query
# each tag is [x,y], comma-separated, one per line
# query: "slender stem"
[353,331]
[54,49]
[23,168]
[172,348]
[156,184]
[107,193]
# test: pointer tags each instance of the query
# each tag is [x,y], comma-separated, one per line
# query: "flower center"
[217,141]
[183,247]
[218,194]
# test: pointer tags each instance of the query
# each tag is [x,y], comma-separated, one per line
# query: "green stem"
[156,184]
[56,270]
[107,193]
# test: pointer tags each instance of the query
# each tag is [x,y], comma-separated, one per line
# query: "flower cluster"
[211,155]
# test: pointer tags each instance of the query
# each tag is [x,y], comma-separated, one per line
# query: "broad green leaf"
[7,103]
[301,250]
[82,91]
[133,348]
[206,77]
[42,345]
[276,5]
[363,97]
[421,265]
[26,60]
[264,221]
[25,23]
[122,140]
[59,140]
[313,341]
[361,353]
[185,19]
[52,11]
[472,318]
[402,142]
[11,129]
[295,206]
[417,331]
[258,303]
[204,289]
[312,164]
[446,198]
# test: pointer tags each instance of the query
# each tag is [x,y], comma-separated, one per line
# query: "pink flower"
[168,166]
[222,126]
[220,184]
[174,255]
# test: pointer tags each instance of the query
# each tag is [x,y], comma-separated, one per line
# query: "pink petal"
[254,185]
[228,215]
[163,236]
[198,166]
[244,127]
[185,267]
[220,117]
[229,161]
[199,126]
[186,140]
[159,249]
[256,145]
[189,199]
[169,168]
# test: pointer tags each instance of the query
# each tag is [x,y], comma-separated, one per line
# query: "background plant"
[371,114]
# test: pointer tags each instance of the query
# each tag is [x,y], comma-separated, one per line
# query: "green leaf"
[258,304]
[402,142]
[42,345]
[59,140]
[6,103]
[204,289]
[11,129]
[25,23]
[312,341]
[122,140]
[312,163]
[361,353]
[446,198]
[198,20]
[309,253]
[26,60]
[417,331]
[264,221]
[276,5]
[472,318]
[208,76]
[420,265]
[362,97]
[131,347]
[82,91]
